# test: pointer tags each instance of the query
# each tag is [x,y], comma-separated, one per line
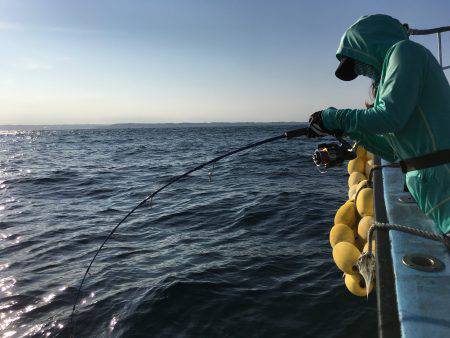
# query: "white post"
[439,48]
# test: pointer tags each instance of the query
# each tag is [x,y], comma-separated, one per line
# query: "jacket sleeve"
[376,144]
[398,95]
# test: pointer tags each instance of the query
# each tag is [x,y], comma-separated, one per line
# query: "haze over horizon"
[137,61]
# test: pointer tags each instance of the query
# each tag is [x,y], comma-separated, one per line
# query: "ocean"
[245,254]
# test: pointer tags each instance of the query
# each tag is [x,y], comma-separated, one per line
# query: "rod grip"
[296,133]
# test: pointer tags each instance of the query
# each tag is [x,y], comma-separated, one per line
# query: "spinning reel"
[328,155]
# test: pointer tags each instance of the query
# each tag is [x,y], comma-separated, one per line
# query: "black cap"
[346,69]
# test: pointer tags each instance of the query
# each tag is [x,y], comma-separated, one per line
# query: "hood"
[369,39]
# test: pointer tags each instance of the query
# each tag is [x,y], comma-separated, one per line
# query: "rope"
[366,263]
[409,230]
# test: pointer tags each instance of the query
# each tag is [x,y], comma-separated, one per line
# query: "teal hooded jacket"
[411,112]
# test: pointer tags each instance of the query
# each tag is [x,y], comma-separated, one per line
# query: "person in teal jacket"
[410,116]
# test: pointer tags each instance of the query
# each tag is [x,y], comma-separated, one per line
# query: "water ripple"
[244,255]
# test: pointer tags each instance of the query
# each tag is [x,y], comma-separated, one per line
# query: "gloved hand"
[316,127]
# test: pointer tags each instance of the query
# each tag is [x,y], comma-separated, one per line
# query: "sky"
[117,61]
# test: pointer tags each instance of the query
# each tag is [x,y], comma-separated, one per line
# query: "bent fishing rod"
[327,155]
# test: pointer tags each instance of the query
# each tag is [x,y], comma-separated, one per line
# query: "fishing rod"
[326,155]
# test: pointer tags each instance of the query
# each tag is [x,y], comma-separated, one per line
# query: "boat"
[412,273]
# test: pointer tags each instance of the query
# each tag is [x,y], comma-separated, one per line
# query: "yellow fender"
[356,165]
[345,256]
[362,184]
[363,226]
[364,202]
[341,233]
[352,192]
[346,214]
[355,284]
[368,166]
[361,153]
[355,178]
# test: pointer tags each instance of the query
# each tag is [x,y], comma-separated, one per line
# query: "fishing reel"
[328,155]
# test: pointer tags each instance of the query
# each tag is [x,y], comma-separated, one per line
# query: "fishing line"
[287,135]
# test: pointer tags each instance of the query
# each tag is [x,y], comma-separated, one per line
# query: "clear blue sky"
[67,61]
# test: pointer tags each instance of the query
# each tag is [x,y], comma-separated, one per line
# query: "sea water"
[242,252]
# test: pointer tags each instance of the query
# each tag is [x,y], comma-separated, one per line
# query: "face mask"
[366,70]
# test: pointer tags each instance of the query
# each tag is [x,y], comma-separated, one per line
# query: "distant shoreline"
[138,125]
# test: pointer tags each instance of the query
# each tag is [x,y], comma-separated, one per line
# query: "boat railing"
[438,31]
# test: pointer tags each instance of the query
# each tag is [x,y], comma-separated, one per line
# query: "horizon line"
[137,125]
[142,123]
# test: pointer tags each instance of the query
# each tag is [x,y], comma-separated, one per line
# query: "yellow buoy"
[361,152]
[356,165]
[356,285]
[366,247]
[364,202]
[346,214]
[364,225]
[352,192]
[361,185]
[355,178]
[345,256]
[368,166]
[341,233]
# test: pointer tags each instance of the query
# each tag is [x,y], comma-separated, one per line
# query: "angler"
[410,117]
